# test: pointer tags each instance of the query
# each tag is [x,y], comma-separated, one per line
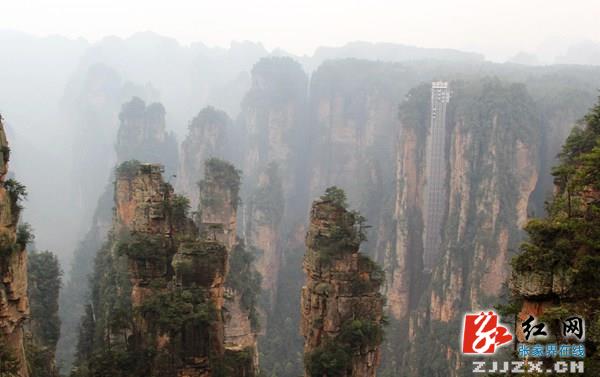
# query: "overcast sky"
[497,28]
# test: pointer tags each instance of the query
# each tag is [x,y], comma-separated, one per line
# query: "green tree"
[244,279]
[25,235]
[335,195]
[44,282]
[44,275]
[331,359]
[17,192]
[567,240]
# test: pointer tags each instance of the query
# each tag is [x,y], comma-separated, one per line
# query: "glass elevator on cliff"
[435,194]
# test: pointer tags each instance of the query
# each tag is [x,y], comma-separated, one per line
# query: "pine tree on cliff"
[44,275]
[565,245]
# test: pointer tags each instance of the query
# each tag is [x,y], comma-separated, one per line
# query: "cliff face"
[353,110]
[498,138]
[207,138]
[340,298]
[263,228]
[354,118]
[141,198]
[143,136]
[273,120]
[219,196]
[272,117]
[489,192]
[14,305]
[492,161]
[218,212]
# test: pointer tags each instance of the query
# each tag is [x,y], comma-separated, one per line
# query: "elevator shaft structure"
[435,195]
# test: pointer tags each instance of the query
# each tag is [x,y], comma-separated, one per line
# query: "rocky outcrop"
[207,138]
[340,297]
[166,262]
[218,212]
[158,287]
[276,142]
[143,136]
[200,268]
[272,118]
[140,193]
[14,304]
[263,229]
[354,120]
[219,197]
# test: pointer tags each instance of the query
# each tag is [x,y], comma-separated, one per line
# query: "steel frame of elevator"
[435,194]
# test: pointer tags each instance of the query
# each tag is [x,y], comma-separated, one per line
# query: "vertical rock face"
[207,138]
[219,196]
[143,136]
[14,305]
[139,196]
[489,192]
[218,211]
[408,215]
[272,116]
[265,213]
[273,120]
[340,298]
[219,192]
[353,110]
[492,170]
[200,268]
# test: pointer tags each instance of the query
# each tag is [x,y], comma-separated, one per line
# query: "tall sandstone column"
[219,191]
[14,304]
[341,303]
[169,268]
